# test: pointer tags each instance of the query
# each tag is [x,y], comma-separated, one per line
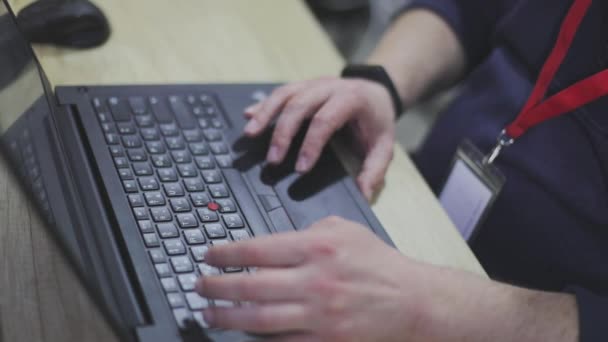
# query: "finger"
[375,166]
[279,250]
[268,285]
[296,337]
[324,124]
[251,110]
[259,318]
[271,107]
[296,110]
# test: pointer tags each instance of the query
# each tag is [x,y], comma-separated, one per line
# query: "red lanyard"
[579,94]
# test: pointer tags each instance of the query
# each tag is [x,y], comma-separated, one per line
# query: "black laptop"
[136,182]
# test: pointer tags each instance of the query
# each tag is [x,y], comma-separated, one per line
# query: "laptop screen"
[29,144]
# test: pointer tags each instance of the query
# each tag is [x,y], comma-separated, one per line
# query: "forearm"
[421,53]
[476,309]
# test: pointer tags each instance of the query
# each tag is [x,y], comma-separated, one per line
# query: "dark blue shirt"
[548,229]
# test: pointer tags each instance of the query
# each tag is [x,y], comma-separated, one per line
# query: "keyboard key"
[202,122]
[223,303]
[204,162]
[145,226]
[187,281]
[194,185]
[219,242]
[167,175]
[192,135]
[161,214]
[216,123]
[108,127]
[218,191]
[142,169]
[130,186]
[154,199]
[140,213]
[186,220]
[157,256]
[199,149]
[194,236]
[215,231]
[163,270]
[112,139]
[232,269]
[173,189]
[131,141]
[191,99]
[155,147]
[137,155]
[181,157]
[224,162]
[138,105]
[119,109]
[167,230]
[180,205]
[121,162]
[218,148]
[160,110]
[148,183]
[207,215]
[211,176]
[212,135]
[206,99]
[151,240]
[200,199]
[175,143]
[207,270]
[117,151]
[184,118]
[169,284]
[240,235]
[196,302]
[144,121]
[150,134]
[182,264]
[198,253]
[182,316]
[125,128]
[174,247]
[161,160]
[169,130]
[226,206]
[187,170]
[136,200]
[125,174]
[233,221]
[175,300]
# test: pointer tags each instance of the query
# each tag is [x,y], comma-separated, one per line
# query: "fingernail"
[208,316]
[251,109]
[273,154]
[252,126]
[303,164]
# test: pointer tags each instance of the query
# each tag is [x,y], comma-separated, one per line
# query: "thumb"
[375,165]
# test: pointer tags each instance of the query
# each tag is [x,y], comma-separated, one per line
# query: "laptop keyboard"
[168,153]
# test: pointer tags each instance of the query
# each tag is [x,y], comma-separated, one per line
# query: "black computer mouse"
[78,24]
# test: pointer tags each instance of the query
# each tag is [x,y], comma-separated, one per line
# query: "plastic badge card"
[470,189]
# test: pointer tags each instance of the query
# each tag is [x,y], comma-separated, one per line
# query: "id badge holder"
[470,189]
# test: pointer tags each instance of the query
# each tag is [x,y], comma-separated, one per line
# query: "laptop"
[136,182]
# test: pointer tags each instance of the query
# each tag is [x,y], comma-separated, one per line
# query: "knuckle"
[281,138]
[321,247]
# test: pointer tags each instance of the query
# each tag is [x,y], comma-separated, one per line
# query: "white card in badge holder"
[470,189]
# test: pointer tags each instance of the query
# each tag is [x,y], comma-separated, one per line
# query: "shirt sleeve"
[473,22]
[592,315]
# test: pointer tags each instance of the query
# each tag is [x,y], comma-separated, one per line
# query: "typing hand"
[330,103]
[333,282]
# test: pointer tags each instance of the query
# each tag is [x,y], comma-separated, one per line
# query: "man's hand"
[330,103]
[336,281]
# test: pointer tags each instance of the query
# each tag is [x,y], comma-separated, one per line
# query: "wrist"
[377,74]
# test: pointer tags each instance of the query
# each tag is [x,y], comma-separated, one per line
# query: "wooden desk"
[159,41]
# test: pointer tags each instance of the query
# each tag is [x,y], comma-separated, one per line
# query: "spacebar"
[246,202]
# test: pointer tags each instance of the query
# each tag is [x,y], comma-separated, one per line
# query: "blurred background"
[356,26]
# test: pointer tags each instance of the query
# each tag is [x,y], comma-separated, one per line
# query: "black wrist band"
[377,74]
